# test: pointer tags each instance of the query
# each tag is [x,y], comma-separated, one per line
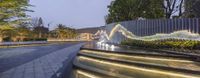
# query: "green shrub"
[35,39]
[7,39]
[41,39]
[28,39]
[167,43]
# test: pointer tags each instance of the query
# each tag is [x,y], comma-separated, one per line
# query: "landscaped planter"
[164,44]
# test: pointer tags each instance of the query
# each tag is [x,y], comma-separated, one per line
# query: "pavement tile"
[29,75]
[40,75]
[8,74]
[43,67]
[19,72]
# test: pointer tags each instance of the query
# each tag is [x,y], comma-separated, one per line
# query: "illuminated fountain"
[108,37]
[181,34]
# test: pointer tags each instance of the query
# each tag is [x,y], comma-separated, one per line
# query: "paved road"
[13,57]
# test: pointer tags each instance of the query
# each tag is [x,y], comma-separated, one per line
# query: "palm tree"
[64,32]
[60,30]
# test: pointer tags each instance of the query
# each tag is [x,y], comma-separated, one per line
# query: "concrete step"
[138,65]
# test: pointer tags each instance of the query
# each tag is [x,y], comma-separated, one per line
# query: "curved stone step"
[143,52]
[93,72]
[167,62]
[97,63]
[122,70]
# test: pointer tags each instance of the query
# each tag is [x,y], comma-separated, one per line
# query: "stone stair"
[94,63]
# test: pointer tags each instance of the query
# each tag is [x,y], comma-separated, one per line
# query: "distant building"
[86,36]
[88,33]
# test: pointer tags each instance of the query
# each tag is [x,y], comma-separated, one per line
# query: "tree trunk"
[180,8]
[1,39]
[168,15]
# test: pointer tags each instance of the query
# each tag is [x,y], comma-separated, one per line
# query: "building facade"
[86,36]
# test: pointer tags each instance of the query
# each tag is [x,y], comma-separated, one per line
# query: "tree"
[64,32]
[181,8]
[39,29]
[40,32]
[154,9]
[7,32]
[192,8]
[52,34]
[12,13]
[34,22]
[124,10]
[61,31]
[23,31]
[172,6]
[37,22]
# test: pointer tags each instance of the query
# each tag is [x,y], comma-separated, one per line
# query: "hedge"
[35,39]
[167,43]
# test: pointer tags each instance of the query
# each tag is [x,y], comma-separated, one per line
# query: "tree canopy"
[64,32]
[192,8]
[13,11]
[124,10]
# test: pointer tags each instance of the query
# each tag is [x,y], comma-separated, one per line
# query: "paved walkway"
[47,66]
[22,43]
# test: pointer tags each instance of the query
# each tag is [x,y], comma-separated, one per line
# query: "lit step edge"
[164,68]
[150,70]
[138,62]
[89,74]
[145,54]
[78,65]
[136,56]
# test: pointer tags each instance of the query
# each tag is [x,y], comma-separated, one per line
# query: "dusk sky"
[76,13]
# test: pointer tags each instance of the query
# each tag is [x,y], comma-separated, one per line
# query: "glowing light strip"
[86,74]
[147,58]
[121,29]
[138,68]
[182,34]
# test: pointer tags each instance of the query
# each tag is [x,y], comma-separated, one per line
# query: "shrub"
[35,39]
[40,39]
[7,39]
[167,43]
